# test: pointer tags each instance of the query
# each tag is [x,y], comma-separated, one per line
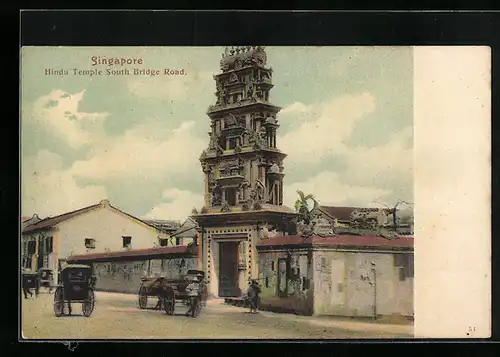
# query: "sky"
[346,124]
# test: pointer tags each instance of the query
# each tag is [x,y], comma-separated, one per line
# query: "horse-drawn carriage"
[190,290]
[29,282]
[46,279]
[77,285]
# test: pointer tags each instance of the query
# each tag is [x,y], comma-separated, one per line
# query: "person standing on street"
[254,296]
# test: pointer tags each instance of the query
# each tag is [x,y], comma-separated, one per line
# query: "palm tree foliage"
[302,206]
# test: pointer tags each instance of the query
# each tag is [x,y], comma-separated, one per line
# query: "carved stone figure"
[304,230]
[225,207]
[244,187]
[223,94]
[230,121]
[218,149]
[216,194]
[259,191]
[274,169]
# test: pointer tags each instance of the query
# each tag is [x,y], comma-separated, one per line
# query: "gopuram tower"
[243,170]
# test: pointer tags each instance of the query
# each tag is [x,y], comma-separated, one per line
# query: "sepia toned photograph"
[239,192]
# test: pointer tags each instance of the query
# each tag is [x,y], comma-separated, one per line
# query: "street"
[117,316]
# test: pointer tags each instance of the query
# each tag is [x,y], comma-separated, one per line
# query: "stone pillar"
[248,121]
[280,191]
[255,171]
[253,255]
[207,200]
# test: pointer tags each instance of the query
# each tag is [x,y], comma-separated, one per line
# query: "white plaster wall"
[120,276]
[354,295]
[107,227]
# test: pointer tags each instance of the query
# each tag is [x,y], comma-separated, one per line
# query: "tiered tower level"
[243,166]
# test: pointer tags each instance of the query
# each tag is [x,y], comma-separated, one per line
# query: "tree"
[302,206]
[393,210]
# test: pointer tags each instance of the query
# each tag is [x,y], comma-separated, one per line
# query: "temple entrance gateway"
[243,172]
[228,269]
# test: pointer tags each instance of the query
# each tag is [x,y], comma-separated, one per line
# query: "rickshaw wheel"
[143,298]
[58,302]
[196,308]
[88,304]
[169,304]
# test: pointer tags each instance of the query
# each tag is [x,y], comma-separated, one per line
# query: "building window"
[231,144]
[178,241]
[49,245]
[231,196]
[404,263]
[90,243]
[163,242]
[31,247]
[305,283]
[127,241]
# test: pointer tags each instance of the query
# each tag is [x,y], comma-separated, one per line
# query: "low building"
[344,275]
[28,248]
[121,271]
[97,228]
[187,233]
[167,226]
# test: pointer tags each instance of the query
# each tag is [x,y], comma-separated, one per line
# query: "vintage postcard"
[254,192]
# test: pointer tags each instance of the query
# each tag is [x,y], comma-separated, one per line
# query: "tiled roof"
[167,225]
[341,213]
[339,241]
[179,249]
[52,221]
[187,229]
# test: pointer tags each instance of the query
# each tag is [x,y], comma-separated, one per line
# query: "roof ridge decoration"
[237,57]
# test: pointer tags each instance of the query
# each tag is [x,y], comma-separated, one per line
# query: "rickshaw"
[77,285]
[190,291]
[46,279]
[29,281]
[151,286]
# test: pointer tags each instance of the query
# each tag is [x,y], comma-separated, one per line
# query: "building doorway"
[41,253]
[228,269]
[283,267]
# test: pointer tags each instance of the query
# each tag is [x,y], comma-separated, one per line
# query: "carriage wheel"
[143,298]
[169,304]
[58,302]
[196,309]
[88,304]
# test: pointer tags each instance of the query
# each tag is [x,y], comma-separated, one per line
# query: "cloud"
[178,206]
[329,190]
[383,172]
[58,112]
[315,138]
[296,108]
[147,150]
[48,189]
[175,88]
[391,162]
